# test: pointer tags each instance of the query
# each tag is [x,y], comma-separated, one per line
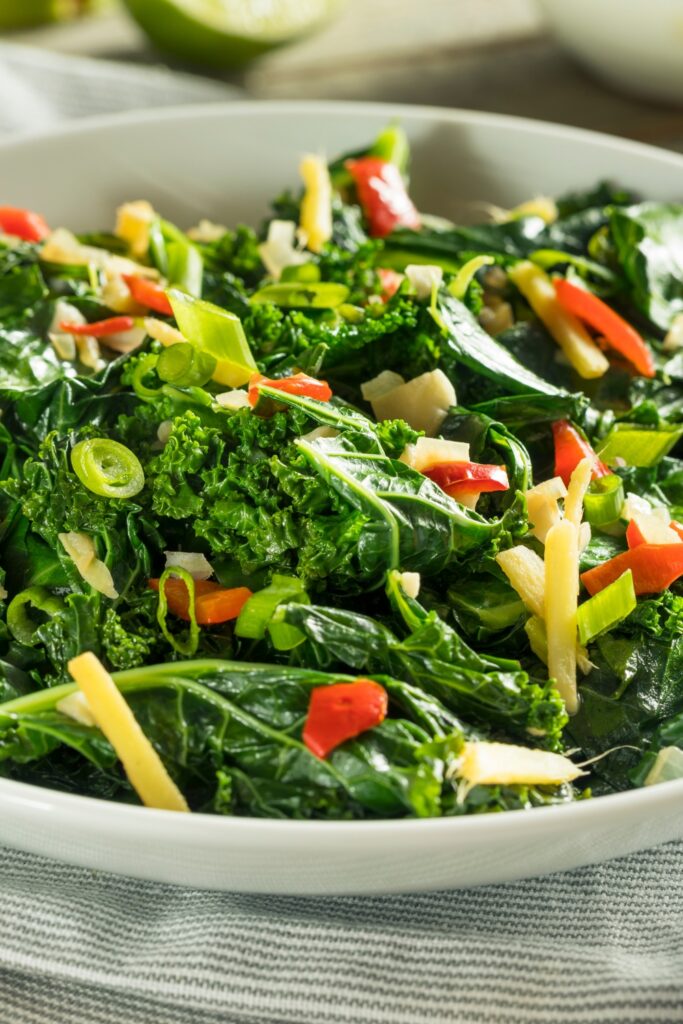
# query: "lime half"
[226,33]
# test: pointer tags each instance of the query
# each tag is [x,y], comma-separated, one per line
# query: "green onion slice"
[218,333]
[20,624]
[107,468]
[463,279]
[301,273]
[326,295]
[604,500]
[638,445]
[257,614]
[185,366]
[187,646]
[607,608]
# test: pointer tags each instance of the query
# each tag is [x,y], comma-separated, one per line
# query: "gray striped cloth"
[604,944]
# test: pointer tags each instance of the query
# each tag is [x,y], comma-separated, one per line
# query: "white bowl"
[226,162]
[634,44]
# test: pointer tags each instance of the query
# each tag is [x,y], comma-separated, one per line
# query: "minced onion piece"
[207,231]
[317,432]
[279,249]
[423,402]
[380,385]
[193,562]
[163,332]
[674,336]
[124,341]
[76,706]
[430,451]
[410,583]
[634,505]
[164,431]
[81,550]
[483,763]
[63,343]
[62,246]
[234,400]
[424,277]
[89,352]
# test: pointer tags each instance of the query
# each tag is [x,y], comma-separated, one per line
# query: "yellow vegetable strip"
[506,764]
[526,573]
[140,760]
[561,601]
[316,205]
[576,492]
[569,333]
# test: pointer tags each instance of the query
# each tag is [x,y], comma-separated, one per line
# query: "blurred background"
[612,65]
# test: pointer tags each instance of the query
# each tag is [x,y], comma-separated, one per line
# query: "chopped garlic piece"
[317,432]
[430,451]
[584,536]
[316,205]
[674,336]
[194,562]
[133,221]
[206,231]
[89,351]
[234,400]
[142,764]
[569,333]
[576,492]
[561,602]
[424,277]
[124,341]
[526,574]
[423,402]
[655,530]
[76,706]
[542,510]
[63,247]
[164,431]
[163,332]
[279,249]
[410,583]
[115,293]
[634,506]
[63,343]
[380,385]
[81,550]
[504,764]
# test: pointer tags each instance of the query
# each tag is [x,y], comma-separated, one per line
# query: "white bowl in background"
[226,162]
[636,45]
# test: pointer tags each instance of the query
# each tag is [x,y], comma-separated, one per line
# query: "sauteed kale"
[359,514]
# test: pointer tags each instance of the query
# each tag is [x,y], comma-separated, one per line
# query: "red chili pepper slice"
[149,294]
[341,711]
[100,328]
[382,195]
[618,334]
[468,477]
[570,449]
[390,281]
[654,566]
[298,384]
[213,604]
[24,224]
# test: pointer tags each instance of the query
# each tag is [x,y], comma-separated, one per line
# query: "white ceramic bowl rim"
[149,819]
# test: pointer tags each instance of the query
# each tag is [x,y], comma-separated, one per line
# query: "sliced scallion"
[217,332]
[185,366]
[294,295]
[302,273]
[256,615]
[107,468]
[463,279]
[19,622]
[607,608]
[638,445]
[604,500]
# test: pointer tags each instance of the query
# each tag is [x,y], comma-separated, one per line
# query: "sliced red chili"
[341,711]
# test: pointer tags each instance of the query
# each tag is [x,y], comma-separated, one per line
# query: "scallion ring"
[107,468]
